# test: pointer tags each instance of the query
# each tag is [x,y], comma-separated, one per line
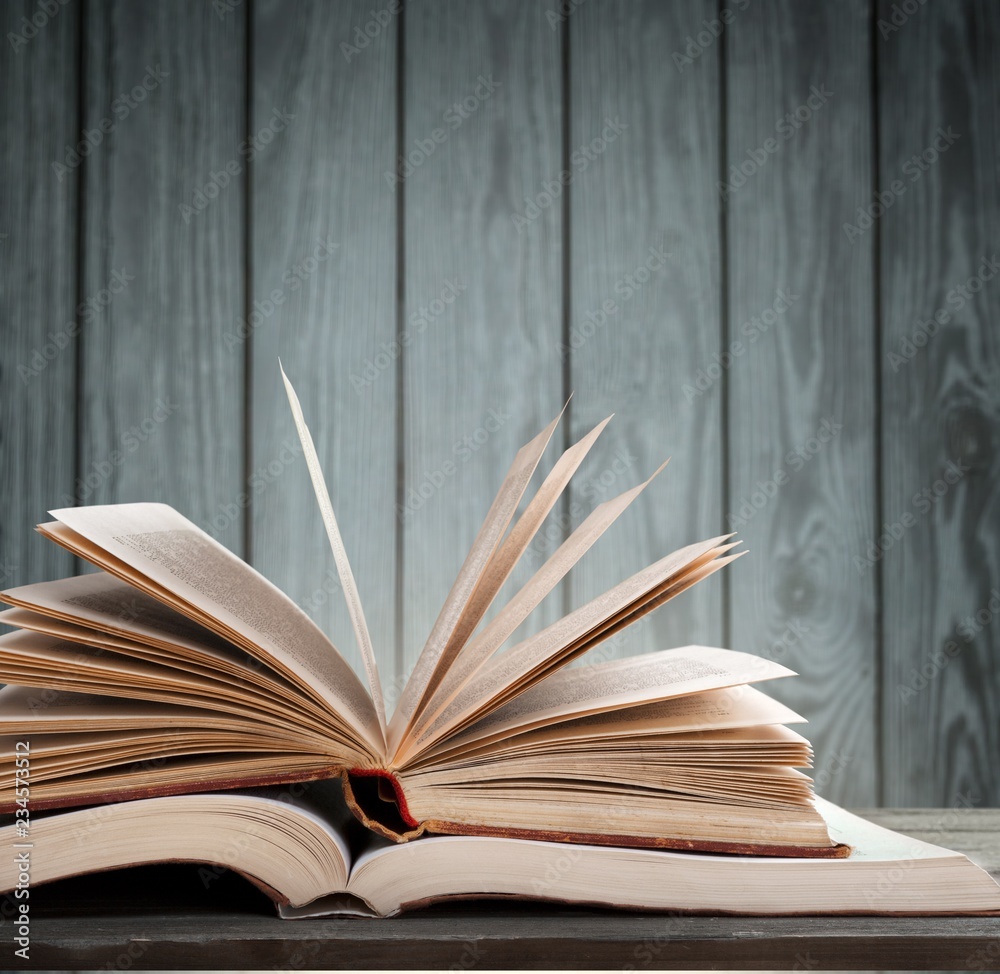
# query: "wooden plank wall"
[481,130]
[940,405]
[160,400]
[323,260]
[645,265]
[377,195]
[38,287]
[801,469]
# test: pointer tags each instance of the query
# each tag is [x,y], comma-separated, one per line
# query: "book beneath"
[312,858]
[176,669]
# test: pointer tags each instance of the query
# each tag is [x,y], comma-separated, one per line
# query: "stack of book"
[170,706]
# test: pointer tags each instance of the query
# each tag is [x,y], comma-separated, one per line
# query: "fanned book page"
[178,669]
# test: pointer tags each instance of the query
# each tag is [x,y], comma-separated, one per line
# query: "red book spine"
[397,789]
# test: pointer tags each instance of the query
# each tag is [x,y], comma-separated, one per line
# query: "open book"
[313,859]
[180,669]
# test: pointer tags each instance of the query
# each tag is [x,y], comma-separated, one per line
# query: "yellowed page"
[628,682]
[509,669]
[187,659]
[27,657]
[477,652]
[62,756]
[101,610]
[30,710]
[347,581]
[457,604]
[107,604]
[157,544]
[457,650]
[709,710]
[740,781]
[195,772]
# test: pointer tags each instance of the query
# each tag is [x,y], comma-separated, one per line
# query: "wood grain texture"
[801,386]
[482,373]
[37,288]
[644,299]
[210,289]
[169,918]
[162,395]
[324,282]
[533,939]
[940,83]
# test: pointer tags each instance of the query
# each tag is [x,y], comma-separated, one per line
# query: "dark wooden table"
[176,917]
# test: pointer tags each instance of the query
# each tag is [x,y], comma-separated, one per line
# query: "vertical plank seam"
[398,601]
[566,283]
[81,109]
[723,150]
[877,437]
[248,90]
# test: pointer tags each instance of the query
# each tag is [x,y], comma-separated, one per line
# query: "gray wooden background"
[765,206]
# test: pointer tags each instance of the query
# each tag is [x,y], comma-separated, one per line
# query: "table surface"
[187,917]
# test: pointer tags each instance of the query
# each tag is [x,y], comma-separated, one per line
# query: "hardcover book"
[176,682]
[313,858]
